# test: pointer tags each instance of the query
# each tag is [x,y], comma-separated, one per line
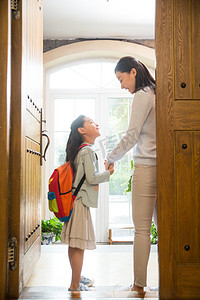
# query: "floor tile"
[109,265]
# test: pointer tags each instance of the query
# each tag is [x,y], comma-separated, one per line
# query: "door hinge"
[14,5]
[12,253]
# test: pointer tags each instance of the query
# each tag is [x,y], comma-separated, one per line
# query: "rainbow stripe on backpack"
[60,195]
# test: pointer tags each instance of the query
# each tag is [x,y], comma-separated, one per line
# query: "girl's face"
[90,130]
[127,80]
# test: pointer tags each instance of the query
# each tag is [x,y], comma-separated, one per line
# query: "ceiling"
[90,19]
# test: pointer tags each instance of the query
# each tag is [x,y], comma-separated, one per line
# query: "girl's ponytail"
[74,141]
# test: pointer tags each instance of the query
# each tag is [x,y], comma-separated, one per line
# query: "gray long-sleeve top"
[141,132]
[86,163]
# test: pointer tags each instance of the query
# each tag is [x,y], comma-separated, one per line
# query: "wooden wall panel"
[182,48]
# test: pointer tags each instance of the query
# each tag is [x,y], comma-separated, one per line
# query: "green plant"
[154,233]
[52,225]
[128,188]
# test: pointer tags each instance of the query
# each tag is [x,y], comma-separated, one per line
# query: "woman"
[141,136]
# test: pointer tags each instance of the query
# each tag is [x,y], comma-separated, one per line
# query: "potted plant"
[51,228]
[154,233]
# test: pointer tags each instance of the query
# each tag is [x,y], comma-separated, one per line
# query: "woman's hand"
[111,168]
[106,165]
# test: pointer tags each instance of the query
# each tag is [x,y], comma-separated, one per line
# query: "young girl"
[78,233]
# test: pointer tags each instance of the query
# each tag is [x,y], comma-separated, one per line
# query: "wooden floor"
[95,293]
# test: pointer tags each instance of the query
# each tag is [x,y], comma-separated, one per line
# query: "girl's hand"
[106,165]
[111,168]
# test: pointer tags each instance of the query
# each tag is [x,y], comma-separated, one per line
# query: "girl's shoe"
[154,289]
[86,281]
[81,287]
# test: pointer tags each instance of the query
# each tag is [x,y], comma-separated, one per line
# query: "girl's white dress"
[79,231]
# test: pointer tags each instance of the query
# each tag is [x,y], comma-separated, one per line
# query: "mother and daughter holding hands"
[78,233]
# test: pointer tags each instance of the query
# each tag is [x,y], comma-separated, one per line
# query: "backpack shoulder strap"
[83,178]
[83,145]
[79,185]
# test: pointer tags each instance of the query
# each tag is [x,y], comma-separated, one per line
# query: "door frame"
[98,50]
[178,107]
[4,136]
[128,49]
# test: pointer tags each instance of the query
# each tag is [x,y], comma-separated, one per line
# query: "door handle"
[46,147]
[42,134]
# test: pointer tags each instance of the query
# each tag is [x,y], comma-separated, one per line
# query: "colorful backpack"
[60,195]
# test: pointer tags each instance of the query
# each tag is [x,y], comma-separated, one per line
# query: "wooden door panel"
[182,47]
[188,281]
[186,115]
[32,94]
[33,108]
[197,184]
[196,47]
[32,193]
[34,53]
[178,123]
[31,258]
[25,187]
[186,201]
[32,128]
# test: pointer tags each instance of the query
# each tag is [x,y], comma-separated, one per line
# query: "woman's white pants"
[144,196]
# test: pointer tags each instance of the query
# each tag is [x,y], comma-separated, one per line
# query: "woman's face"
[127,80]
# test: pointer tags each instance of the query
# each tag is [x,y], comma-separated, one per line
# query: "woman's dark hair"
[74,141]
[143,76]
